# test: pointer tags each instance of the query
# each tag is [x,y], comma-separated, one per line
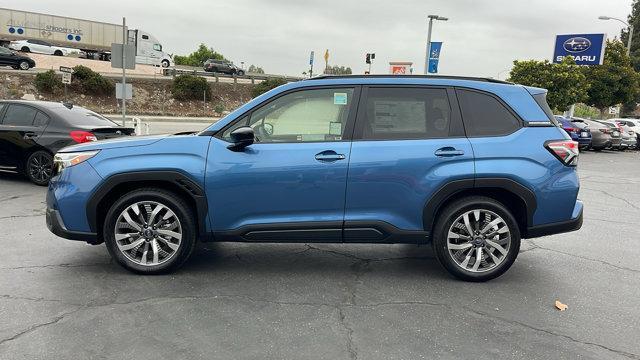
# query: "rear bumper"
[575,223]
[56,226]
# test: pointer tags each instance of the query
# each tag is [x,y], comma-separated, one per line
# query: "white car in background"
[39,47]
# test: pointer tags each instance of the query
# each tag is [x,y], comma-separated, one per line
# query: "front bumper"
[56,226]
[575,223]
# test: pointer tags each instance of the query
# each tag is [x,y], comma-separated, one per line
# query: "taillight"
[81,136]
[565,150]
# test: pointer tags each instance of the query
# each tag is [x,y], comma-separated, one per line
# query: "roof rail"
[485,79]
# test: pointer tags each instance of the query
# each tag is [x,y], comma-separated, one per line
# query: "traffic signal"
[368,59]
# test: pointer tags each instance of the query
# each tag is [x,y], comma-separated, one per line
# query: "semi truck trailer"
[93,38]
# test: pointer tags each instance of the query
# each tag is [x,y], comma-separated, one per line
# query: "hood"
[120,142]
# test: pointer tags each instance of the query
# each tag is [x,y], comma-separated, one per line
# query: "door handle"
[448,151]
[29,135]
[329,156]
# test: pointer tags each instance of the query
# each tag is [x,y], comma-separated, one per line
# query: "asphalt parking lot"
[61,299]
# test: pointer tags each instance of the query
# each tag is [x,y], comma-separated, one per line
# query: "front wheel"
[165,63]
[150,231]
[476,239]
[240,73]
[24,65]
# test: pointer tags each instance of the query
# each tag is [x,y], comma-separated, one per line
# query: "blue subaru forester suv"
[468,165]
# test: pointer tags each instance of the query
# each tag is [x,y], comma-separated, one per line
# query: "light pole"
[426,59]
[626,24]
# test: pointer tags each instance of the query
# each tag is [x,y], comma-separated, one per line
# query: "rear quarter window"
[485,115]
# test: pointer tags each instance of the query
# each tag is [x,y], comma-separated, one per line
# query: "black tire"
[456,209]
[170,200]
[240,73]
[165,63]
[24,65]
[39,167]
[25,49]
[58,53]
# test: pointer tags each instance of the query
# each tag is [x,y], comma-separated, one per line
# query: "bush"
[190,87]
[90,82]
[48,82]
[267,85]
[218,109]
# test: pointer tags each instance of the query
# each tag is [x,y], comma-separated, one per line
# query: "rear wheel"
[165,63]
[150,231]
[57,53]
[39,167]
[240,73]
[476,239]
[25,49]
[24,65]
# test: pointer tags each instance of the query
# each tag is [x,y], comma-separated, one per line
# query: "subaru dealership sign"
[585,49]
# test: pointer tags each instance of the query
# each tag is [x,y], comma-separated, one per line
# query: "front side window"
[4,50]
[484,115]
[302,116]
[19,115]
[406,113]
[157,47]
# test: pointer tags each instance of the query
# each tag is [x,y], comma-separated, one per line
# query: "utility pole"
[124,70]
[311,56]
[630,26]
[426,58]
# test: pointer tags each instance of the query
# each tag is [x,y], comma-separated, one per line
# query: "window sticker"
[335,128]
[339,98]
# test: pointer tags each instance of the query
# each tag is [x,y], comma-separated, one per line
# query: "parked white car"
[39,47]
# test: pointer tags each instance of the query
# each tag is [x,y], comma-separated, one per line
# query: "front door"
[290,184]
[408,142]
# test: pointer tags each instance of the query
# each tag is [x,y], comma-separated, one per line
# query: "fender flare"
[176,178]
[452,188]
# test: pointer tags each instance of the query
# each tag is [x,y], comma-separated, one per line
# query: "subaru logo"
[577,44]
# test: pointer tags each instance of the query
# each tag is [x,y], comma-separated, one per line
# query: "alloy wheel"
[40,167]
[148,233]
[24,65]
[479,240]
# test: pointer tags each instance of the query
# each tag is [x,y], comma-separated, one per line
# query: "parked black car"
[31,132]
[222,66]
[11,58]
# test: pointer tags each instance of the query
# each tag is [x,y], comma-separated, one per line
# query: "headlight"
[65,160]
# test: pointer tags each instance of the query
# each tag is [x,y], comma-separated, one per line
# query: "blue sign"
[585,49]
[434,57]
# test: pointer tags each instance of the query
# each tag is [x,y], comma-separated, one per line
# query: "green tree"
[614,82]
[267,85]
[255,69]
[566,83]
[198,57]
[338,70]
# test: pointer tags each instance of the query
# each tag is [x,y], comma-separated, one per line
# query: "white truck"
[93,38]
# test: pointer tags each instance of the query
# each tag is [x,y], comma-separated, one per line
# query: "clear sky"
[482,38]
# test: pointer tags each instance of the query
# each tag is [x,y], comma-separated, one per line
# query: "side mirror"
[241,137]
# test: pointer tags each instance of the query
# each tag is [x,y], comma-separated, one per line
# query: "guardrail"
[253,77]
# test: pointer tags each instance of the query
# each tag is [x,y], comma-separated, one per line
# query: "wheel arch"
[117,185]
[520,200]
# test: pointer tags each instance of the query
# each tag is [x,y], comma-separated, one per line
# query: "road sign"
[128,91]
[66,69]
[311,57]
[116,56]
[434,57]
[614,110]
[585,49]
[66,78]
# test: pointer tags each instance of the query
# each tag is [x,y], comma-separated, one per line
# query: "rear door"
[17,134]
[408,142]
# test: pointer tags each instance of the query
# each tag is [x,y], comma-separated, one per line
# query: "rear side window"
[19,115]
[485,115]
[41,119]
[406,113]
